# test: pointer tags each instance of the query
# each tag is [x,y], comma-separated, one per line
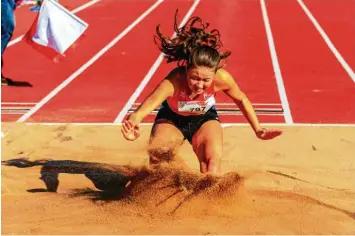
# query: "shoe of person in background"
[6,81]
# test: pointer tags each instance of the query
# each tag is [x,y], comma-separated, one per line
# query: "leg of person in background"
[7,29]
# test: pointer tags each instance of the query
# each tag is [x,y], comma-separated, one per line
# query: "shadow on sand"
[157,185]
[110,179]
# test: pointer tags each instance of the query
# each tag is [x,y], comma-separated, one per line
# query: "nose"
[200,85]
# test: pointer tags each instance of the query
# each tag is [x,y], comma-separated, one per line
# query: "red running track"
[242,32]
[114,77]
[338,21]
[318,88]
[46,75]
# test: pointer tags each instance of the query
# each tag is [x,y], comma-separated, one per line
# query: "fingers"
[137,133]
[126,127]
[128,124]
[276,132]
[265,134]
[129,131]
[270,134]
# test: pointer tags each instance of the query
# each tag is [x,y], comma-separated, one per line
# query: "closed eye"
[198,78]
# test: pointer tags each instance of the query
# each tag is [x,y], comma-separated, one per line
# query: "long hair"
[193,45]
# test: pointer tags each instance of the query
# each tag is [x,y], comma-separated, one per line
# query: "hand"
[26,2]
[265,134]
[130,132]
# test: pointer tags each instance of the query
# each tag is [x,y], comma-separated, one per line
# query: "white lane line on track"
[328,41]
[88,63]
[275,63]
[18,103]
[80,8]
[151,72]
[223,124]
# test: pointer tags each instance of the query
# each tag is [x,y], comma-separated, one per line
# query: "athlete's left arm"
[227,84]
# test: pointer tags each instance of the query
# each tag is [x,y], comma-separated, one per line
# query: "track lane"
[45,75]
[114,77]
[318,88]
[337,19]
[242,32]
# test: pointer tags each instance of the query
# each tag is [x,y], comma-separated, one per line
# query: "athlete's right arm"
[157,97]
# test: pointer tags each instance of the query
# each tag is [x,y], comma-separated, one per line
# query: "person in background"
[7,29]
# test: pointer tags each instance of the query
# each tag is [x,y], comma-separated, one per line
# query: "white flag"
[56,27]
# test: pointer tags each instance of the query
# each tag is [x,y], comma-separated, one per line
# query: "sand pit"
[70,179]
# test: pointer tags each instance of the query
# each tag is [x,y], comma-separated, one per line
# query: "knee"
[161,150]
[161,154]
[212,163]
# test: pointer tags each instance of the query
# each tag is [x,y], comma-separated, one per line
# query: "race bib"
[196,107]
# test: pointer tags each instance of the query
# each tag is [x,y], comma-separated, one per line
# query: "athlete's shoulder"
[173,80]
[223,74]
[223,79]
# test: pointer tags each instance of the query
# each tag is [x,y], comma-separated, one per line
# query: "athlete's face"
[199,78]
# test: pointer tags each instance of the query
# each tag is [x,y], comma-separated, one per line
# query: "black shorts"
[188,125]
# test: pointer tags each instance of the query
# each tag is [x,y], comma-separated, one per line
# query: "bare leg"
[165,138]
[207,143]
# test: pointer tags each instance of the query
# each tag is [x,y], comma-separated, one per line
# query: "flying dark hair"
[193,45]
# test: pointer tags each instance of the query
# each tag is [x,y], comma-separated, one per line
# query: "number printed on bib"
[196,107]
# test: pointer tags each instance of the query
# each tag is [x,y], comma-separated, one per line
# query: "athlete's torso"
[181,103]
